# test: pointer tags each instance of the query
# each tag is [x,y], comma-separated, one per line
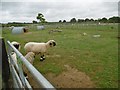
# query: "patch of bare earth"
[72,78]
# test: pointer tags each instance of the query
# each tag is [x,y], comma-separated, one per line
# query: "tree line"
[41,18]
[114,19]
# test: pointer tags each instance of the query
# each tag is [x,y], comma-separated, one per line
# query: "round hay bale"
[19,30]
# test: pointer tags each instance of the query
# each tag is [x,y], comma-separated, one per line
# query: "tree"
[64,21]
[73,20]
[114,19]
[87,20]
[34,21]
[92,20]
[60,20]
[95,20]
[99,20]
[104,20]
[80,20]
[41,18]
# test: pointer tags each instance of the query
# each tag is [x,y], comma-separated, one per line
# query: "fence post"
[5,65]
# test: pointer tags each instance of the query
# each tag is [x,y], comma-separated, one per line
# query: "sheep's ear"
[54,44]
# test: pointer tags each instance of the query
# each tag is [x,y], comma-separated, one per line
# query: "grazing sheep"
[96,36]
[39,48]
[84,34]
[52,31]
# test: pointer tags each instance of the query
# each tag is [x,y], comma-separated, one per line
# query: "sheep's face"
[51,43]
[16,45]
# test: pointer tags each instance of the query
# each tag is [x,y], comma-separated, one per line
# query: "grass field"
[97,57]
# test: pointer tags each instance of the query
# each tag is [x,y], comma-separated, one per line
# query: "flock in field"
[36,48]
[32,49]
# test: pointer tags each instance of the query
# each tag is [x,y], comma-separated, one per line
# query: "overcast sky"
[55,10]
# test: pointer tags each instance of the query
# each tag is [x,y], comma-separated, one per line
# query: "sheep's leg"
[25,74]
[42,58]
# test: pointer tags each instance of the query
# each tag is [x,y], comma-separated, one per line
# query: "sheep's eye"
[50,43]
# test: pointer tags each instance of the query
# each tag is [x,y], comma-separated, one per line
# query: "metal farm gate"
[18,78]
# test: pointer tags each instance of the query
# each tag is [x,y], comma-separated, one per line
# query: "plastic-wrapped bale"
[19,30]
[40,27]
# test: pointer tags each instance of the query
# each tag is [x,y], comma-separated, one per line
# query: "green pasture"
[97,57]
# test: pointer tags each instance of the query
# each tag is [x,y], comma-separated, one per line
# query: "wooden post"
[5,65]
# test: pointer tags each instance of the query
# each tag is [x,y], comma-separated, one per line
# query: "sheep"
[13,54]
[39,48]
[16,45]
[84,34]
[51,31]
[96,36]
[30,56]
[14,57]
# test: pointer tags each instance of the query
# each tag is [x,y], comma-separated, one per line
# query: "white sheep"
[14,57]
[39,48]
[13,54]
[84,34]
[30,56]
[96,36]
[16,45]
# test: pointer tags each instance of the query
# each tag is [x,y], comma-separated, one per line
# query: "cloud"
[59,1]
[55,11]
